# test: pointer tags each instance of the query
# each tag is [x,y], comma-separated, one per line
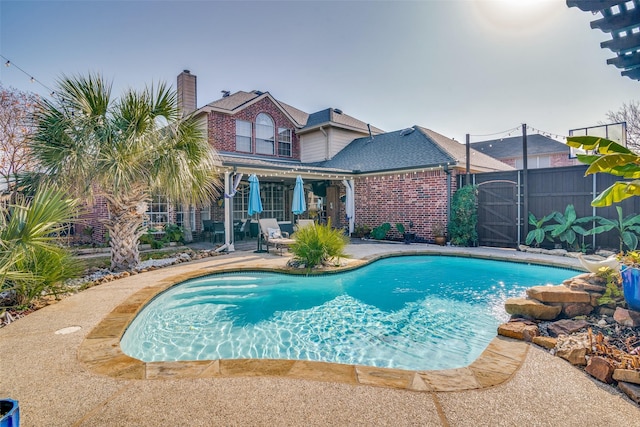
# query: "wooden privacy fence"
[503,222]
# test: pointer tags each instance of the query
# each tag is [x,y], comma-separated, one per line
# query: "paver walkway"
[41,369]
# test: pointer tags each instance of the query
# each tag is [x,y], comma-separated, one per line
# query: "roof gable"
[505,148]
[240,100]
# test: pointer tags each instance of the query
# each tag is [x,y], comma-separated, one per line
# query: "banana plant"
[614,159]
[568,226]
[628,228]
[540,232]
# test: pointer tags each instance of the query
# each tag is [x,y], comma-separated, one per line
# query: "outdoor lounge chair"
[302,223]
[273,236]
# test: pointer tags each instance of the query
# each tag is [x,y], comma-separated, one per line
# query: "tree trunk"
[125,225]
[186,223]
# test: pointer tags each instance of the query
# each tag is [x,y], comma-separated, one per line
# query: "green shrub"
[361,231]
[31,261]
[174,233]
[464,217]
[380,232]
[318,245]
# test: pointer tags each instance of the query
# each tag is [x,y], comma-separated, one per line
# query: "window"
[180,216]
[243,136]
[536,162]
[284,142]
[241,202]
[157,211]
[264,134]
[273,201]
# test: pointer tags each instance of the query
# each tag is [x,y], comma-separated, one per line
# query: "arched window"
[265,134]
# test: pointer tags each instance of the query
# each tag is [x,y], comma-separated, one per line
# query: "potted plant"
[362,231]
[439,231]
[630,273]
[408,236]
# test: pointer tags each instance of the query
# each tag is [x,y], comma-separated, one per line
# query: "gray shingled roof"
[508,148]
[407,150]
[334,116]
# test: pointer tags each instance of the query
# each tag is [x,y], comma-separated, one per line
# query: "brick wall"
[222,127]
[419,197]
[559,160]
[556,161]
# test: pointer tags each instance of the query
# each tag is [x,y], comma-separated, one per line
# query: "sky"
[482,67]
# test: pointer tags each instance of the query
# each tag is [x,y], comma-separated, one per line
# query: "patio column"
[228,213]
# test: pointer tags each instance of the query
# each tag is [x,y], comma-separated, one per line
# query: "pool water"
[410,312]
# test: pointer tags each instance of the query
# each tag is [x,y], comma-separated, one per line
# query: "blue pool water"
[411,312]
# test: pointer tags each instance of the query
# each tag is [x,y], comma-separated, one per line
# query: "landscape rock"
[627,375]
[557,252]
[519,328]
[631,390]
[566,327]
[558,293]
[606,311]
[546,342]
[626,317]
[577,309]
[575,356]
[530,332]
[604,253]
[601,369]
[531,308]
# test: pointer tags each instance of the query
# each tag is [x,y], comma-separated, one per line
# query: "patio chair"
[273,236]
[218,230]
[302,223]
[207,229]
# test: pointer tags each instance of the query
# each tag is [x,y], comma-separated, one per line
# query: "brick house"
[401,176]
[542,151]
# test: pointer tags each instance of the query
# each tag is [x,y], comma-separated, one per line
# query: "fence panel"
[502,222]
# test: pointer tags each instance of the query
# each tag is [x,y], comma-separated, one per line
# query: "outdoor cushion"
[274,233]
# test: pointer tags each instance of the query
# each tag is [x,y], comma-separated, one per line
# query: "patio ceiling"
[621,18]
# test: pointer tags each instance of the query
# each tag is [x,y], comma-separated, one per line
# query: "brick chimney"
[187,96]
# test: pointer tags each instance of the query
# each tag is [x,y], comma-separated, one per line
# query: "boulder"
[531,308]
[566,327]
[558,293]
[601,369]
[576,309]
[628,318]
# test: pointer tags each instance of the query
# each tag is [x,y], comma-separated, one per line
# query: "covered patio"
[325,192]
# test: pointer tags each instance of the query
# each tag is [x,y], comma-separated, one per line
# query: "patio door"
[333,206]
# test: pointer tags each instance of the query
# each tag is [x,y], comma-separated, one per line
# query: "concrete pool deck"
[74,379]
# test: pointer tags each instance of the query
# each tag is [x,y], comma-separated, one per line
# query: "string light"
[32,79]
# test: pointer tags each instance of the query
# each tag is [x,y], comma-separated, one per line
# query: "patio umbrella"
[255,204]
[299,205]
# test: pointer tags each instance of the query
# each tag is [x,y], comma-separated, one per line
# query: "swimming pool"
[410,312]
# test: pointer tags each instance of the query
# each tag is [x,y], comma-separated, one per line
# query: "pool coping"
[101,353]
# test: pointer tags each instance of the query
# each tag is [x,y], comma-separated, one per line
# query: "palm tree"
[123,150]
